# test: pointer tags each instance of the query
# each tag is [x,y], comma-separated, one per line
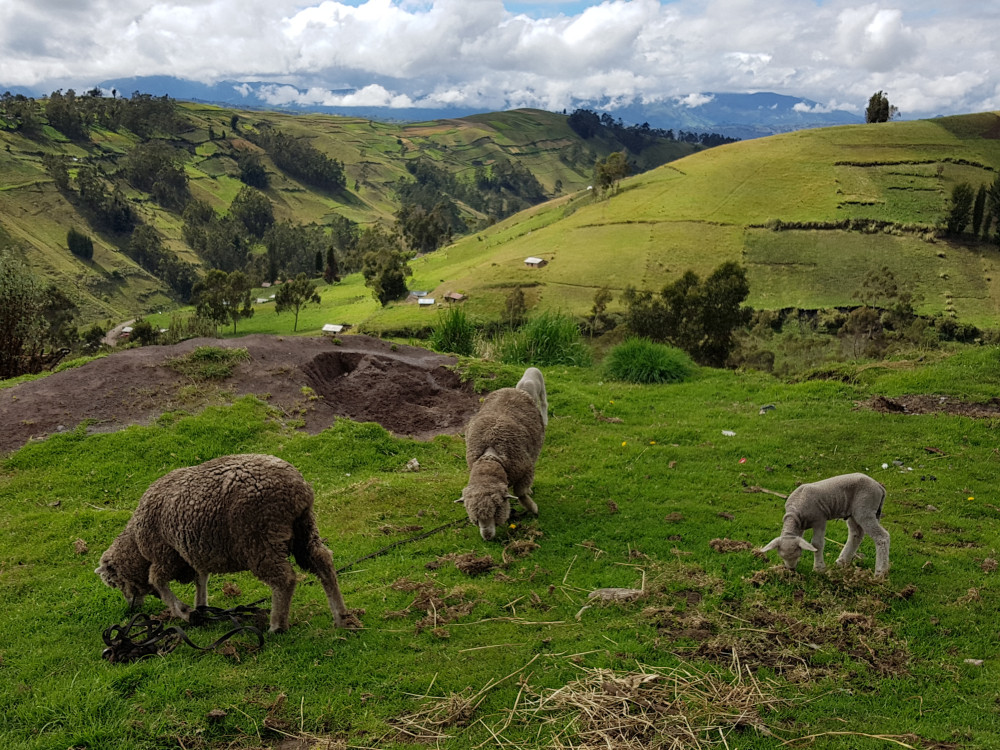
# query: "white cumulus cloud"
[929,56]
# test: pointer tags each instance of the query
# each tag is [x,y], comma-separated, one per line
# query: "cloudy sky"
[930,56]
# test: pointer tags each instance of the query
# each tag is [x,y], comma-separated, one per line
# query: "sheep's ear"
[461,500]
[512,497]
[805,545]
[771,544]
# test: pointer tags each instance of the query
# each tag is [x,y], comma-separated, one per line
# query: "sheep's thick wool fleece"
[220,516]
[510,424]
[836,497]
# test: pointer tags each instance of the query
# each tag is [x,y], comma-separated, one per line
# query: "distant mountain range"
[734,115]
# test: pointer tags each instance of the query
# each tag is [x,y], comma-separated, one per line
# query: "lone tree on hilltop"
[879,109]
[294,295]
[611,171]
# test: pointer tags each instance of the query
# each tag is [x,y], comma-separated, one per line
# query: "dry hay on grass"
[678,708]
[657,708]
[427,724]
[832,630]
[440,607]
[796,647]
[472,564]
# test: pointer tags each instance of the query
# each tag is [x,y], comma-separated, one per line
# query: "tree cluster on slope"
[299,158]
[384,265]
[430,210]
[32,317]
[700,317]
[76,115]
[635,138]
[975,209]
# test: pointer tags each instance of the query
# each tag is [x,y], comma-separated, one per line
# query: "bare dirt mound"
[933,404]
[408,390]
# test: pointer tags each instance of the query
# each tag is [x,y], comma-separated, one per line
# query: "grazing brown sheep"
[502,443]
[243,512]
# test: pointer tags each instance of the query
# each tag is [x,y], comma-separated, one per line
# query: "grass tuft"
[639,360]
[209,362]
[551,338]
[455,333]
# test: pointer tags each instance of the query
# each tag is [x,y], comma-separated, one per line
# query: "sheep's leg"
[819,541]
[854,536]
[201,590]
[159,579]
[322,566]
[278,574]
[880,536]
[523,491]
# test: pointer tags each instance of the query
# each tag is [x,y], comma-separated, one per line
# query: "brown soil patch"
[730,545]
[933,404]
[408,390]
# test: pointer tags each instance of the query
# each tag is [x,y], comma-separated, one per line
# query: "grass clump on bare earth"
[467,643]
[209,362]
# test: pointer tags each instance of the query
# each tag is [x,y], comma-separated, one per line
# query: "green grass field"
[818,660]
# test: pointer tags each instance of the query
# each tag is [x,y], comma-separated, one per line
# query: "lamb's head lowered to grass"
[789,547]
[502,443]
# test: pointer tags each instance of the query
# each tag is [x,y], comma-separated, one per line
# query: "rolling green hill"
[808,213]
[35,216]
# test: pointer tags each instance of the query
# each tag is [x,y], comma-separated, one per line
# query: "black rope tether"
[144,636]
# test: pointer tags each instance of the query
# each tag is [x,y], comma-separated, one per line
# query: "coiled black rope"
[143,636]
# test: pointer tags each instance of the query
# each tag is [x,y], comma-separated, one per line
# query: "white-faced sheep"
[502,443]
[244,512]
[855,497]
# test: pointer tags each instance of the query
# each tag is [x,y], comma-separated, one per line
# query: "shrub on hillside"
[455,333]
[639,360]
[547,339]
[80,244]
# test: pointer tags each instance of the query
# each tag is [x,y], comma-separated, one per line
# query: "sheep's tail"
[306,544]
[881,503]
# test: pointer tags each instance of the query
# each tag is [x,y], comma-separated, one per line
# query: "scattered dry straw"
[657,708]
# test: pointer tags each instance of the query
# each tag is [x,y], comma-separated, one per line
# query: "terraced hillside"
[809,213]
[35,216]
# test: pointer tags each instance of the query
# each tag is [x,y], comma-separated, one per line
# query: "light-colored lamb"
[855,497]
[502,443]
[243,512]
[533,384]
